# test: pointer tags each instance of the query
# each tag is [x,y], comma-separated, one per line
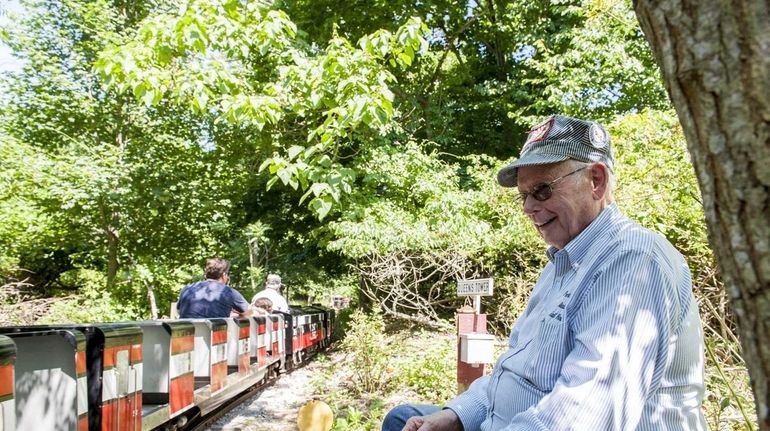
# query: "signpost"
[470,326]
[476,288]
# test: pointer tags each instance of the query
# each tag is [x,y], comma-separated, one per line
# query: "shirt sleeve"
[239,302]
[472,405]
[622,325]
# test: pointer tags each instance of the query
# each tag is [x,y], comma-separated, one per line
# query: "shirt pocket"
[546,354]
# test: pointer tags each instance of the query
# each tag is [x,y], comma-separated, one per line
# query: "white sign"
[479,286]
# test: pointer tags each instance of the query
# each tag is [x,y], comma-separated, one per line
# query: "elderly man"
[611,338]
[272,291]
[212,297]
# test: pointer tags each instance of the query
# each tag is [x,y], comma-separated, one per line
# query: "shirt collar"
[574,252]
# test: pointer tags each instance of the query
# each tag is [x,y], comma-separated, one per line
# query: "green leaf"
[321,206]
[285,175]
[265,164]
[294,151]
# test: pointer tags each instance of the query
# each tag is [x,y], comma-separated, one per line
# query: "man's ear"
[600,180]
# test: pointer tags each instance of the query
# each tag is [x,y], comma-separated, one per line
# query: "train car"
[312,333]
[168,380]
[113,355]
[324,318]
[7,363]
[114,376]
[277,341]
[145,375]
[210,353]
[49,378]
[294,328]
[245,365]
[238,345]
[258,341]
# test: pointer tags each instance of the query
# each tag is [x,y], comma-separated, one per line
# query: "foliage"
[604,54]
[340,95]
[418,223]
[656,180]
[366,342]
[95,182]
[493,66]
[419,366]
[92,305]
[360,420]
[430,372]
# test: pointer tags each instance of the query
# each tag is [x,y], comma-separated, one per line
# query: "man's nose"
[529,204]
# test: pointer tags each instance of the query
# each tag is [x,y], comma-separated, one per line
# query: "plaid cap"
[557,139]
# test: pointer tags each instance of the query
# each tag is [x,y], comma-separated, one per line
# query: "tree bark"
[715,59]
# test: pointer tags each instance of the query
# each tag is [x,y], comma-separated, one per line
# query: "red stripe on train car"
[275,348]
[182,344]
[218,376]
[261,328]
[219,337]
[243,332]
[135,402]
[275,326]
[109,357]
[122,418]
[6,380]
[108,415]
[80,365]
[125,415]
[262,357]
[136,353]
[181,392]
[243,363]
[83,422]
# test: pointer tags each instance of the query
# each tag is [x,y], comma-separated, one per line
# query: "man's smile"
[540,225]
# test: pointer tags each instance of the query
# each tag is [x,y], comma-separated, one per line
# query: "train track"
[204,423]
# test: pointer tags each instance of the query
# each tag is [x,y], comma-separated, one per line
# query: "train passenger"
[272,291]
[262,306]
[611,338]
[212,297]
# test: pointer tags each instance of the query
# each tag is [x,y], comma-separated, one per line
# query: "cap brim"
[508,176]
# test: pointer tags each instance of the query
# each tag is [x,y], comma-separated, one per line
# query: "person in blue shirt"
[611,338]
[212,297]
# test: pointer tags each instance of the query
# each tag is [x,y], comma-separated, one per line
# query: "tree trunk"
[715,58]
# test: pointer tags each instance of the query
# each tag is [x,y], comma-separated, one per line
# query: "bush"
[428,368]
[366,342]
[93,303]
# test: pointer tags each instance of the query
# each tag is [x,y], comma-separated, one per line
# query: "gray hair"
[611,179]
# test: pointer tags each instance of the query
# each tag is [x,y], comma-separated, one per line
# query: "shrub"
[366,341]
[429,368]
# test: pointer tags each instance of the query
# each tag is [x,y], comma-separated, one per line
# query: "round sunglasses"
[543,191]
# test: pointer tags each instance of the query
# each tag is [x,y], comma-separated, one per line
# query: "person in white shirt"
[272,292]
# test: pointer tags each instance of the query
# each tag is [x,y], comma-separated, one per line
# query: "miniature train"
[145,375]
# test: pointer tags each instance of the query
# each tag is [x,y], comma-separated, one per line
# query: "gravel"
[275,407]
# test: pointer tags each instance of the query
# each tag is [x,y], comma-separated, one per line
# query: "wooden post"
[468,321]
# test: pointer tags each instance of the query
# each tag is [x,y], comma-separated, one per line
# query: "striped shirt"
[610,340]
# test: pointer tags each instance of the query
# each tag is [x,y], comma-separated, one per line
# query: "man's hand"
[442,420]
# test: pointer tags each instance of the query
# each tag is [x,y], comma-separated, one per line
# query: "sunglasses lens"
[541,192]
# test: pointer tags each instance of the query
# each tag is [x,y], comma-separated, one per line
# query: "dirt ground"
[275,407]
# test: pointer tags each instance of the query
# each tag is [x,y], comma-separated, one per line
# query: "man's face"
[568,211]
